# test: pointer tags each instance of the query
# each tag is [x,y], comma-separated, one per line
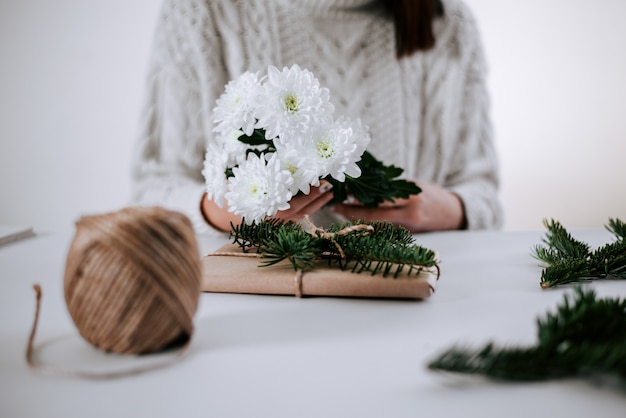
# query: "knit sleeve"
[475,174]
[185,76]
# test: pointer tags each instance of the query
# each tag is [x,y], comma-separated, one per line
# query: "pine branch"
[585,337]
[617,228]
[376,254]
[561,244]
[253,235]
[569,260]
[296,245]
[380,248]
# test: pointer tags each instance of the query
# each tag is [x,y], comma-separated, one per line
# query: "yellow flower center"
[324,149]
[292,168]
[291,103]
[257,190]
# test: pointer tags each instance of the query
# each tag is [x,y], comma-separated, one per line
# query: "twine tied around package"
[315,231]
[131,284]
[322,233]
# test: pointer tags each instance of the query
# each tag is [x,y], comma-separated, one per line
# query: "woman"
[413,71]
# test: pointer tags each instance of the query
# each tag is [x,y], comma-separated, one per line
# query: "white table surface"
[279,356]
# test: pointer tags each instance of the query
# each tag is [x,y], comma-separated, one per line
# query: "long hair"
[413,22]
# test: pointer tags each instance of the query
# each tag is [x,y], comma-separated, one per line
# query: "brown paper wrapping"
[228,270]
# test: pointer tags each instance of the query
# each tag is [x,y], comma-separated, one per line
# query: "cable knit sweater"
[427,113]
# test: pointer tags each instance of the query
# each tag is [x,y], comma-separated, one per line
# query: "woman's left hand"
[434,209]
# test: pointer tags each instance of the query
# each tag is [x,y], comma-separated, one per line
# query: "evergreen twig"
[383,248]
[568,260]
[585,337]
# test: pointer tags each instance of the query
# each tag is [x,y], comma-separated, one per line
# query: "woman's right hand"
[220,218]
[303,205]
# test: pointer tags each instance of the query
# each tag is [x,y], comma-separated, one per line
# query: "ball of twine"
[132,279]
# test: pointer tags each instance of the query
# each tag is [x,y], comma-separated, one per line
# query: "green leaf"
[257,138]
[378,183]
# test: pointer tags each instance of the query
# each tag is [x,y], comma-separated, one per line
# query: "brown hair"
[413,22]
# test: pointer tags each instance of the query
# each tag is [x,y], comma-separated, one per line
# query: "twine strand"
[297,279]
[322,233]
[131,285]
[316,232]
[298,284]
[31,338]
[84,374]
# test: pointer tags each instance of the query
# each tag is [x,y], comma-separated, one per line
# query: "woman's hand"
[307,204]
[218,217]
[221,218]
[434,209]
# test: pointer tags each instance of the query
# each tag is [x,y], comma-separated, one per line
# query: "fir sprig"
[617,228]
[585,337]
[373,247]
[382,252]
[295,245]
[569,260]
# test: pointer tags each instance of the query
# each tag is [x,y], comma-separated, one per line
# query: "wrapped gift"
[229,270]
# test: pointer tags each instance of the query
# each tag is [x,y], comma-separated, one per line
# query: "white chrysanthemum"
[259,188]
[360,133]
[292,101]
[215,164]
[303,171]
[230,145]
[336,151]
[236,106]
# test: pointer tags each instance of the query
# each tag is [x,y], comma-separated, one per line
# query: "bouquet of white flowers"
[276,137]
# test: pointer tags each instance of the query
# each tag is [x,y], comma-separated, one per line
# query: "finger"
[301,202]
[395,203]
[315,205]
[352,212]
[356,212]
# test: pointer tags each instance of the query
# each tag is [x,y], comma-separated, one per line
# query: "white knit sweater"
[427,113]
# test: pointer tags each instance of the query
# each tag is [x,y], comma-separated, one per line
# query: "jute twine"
[315,231]
[132,280]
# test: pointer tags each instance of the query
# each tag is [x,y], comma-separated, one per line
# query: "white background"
[71,82]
